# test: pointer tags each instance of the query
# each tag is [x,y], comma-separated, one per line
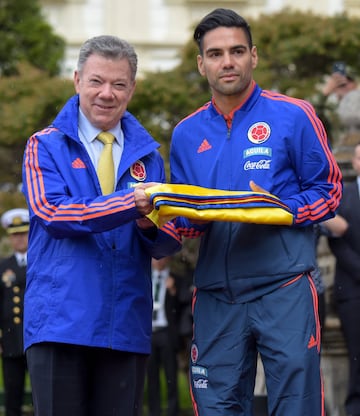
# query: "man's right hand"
[142,201]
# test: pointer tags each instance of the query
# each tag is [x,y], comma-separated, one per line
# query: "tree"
[29,101]
[296,49]
[26,36]
[30,94]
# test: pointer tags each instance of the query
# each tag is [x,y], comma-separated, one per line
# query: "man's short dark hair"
[220,18]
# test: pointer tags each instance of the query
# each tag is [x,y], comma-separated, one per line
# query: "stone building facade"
[158,28]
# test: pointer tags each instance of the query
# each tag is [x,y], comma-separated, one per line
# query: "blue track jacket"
[88,277]
[280,144]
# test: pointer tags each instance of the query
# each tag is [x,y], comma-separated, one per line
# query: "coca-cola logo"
[260,164]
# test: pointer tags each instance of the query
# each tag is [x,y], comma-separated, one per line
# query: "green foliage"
[30,55]
[296,49]
[8,200]
[183,391]
[28,102]
[25,35]
[162,99]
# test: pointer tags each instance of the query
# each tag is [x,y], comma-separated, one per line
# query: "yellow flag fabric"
[206,204]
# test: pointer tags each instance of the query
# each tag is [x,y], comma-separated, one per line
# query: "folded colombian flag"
[198,203]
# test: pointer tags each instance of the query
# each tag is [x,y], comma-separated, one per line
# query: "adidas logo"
[312,342]
[78,164]
[205,145]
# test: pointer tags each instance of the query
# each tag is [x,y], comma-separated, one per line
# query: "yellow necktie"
[105,168]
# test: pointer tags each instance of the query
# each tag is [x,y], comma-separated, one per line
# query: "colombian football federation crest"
[138,171]
[259,132]
[194,353]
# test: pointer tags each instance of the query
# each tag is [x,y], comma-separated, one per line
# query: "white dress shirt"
[21,259]
[88,133]
[159,293]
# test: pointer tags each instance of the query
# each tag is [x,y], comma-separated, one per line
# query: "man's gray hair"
[109,47]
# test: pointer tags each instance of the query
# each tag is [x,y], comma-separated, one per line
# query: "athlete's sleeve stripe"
[69,212]
[169,228]
[310,216]
[313,209]
[189,232]
[334,176]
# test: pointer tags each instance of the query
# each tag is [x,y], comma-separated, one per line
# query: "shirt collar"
[89,132]
[21,258]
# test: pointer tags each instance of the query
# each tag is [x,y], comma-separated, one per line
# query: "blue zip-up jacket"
[88,276]
[280,144]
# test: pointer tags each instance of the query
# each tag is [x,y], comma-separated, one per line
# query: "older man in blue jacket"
[88,298]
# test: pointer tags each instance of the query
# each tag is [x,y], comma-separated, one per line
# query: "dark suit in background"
[12,288]
[347,289]
[164,341]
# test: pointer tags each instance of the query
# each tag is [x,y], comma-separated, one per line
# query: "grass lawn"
[184,394]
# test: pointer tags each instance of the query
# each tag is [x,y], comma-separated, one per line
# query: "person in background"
[185,289]
[164,341]
[253,290]
[346,250]
[343,86]
[12,288]
[88,301]
[182,267]
[333,227]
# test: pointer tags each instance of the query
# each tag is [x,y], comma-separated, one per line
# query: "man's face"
[105,88]
[19,241]
[356,160]
[227,62]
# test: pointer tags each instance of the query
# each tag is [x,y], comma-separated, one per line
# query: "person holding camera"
[343,86]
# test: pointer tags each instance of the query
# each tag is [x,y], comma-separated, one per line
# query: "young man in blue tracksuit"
[253,290]
[88,301]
